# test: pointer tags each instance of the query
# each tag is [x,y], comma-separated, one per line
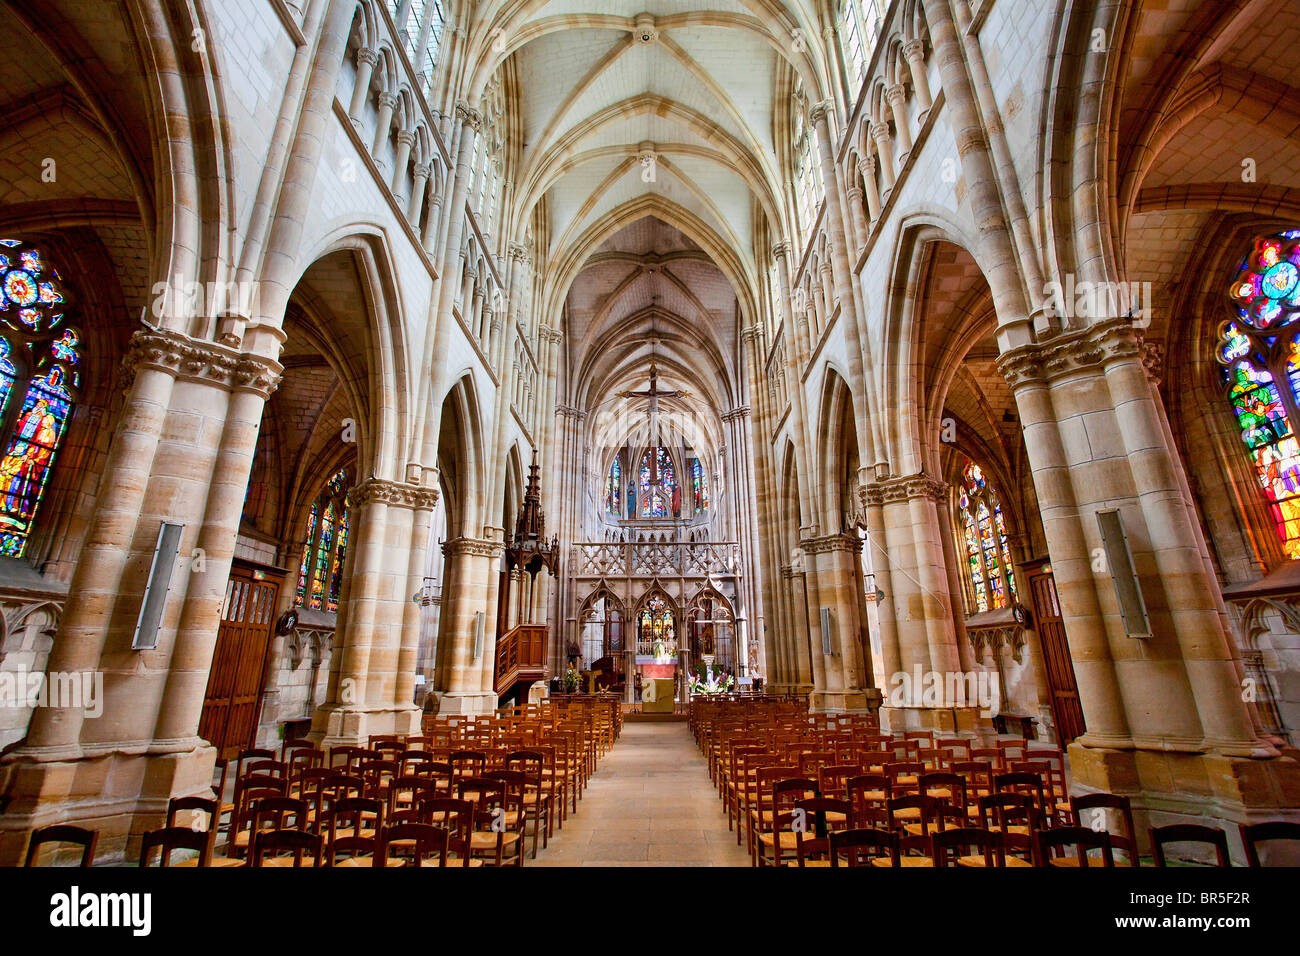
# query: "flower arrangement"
[721,683]
[571,680]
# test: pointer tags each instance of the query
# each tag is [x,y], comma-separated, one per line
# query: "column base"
[1212,789]
[120,795]
[467,704]
[948,720]
[353,726]
[850,701]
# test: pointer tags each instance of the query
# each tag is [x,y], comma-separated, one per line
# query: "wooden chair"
[1031,785]
[169,839]
[63,833]
[912,808]
[427,844]
[1189,833]
[355,817]
[1253,834]
[947,846]
[352,852]
[285,847]
[1051,845]
[863,846]
[1015,817]
[537,792]
[457,818]
[1100,803]
[869,794]
[202,809]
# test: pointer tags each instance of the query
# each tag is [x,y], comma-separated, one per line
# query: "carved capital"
[821,111]
[969,140]
[201,361]
[422,170]
[896,94]
[1095,347]
[914,50]
[474,547]
[392,493]
[367,56]
[905,488]
[389,100]
[831,542]
[518,252]
[751,333]
[880,132]
[550,335]
[568,411]
[867,167]
[469,116]
[780,250]
[405,138]
[739,413]
[1153,359]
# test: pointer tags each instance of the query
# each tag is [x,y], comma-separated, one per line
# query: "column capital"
[367,56]
[739,413]
[780,250]
[392,493]
[199,360]
[474,547]
[867,166]
[820,111]
[905,488]
[422,170]
[841,541]
[569,411]
[550,335]
[914,49]
[389,100]
[405,138]
[518,251]
[1153,359]
[880,132]
[751,333]
[896,94]
[469,116]
[1095,347]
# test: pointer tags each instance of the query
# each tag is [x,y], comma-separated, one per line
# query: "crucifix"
[653,438]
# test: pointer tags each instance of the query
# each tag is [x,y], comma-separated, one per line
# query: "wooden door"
[233,700]
[1066,709]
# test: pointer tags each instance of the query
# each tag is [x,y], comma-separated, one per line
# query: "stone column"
[897,97]
[470,588]
[1165,718]
[914,53]
[366,60]
[868,169]
[405,139]
[842,685]
[372,669]
[387,103]
[885,149]
[416,204]
[855,212]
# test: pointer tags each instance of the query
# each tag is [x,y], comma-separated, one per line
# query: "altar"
[658,687]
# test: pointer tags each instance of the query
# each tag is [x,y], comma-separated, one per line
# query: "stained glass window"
[656,620]
[320,574]
[699,485]
[990,581]
[1260,354]
[660,495]
[614,488]
[40,357]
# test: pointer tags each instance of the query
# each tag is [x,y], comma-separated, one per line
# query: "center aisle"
[650,803]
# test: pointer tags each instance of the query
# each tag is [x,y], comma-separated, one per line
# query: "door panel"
[234,696]
[1066,710]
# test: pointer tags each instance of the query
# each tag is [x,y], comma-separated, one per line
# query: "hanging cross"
[653,394]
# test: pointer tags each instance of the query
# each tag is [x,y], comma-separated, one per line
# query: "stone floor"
[650,803]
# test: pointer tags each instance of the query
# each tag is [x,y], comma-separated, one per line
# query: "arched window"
[614,488]
[699,485]
[422,16]
[859,29]
[1259,349]
[40,357]
[660,496]
[991,583]
[807,163]
[655,623]
[320,573]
